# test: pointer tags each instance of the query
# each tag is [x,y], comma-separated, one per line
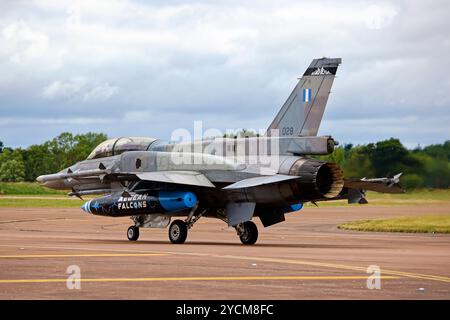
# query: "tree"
[390,157]
[422,167]
[38,160]
[243,133]
[412,181]
[59,153]
[441,151]
[60,149]
[358,164]
[12,167]
[67,149]
[437,173]
[85,143]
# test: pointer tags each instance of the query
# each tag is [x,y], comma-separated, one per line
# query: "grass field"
[33,195]
[40,202]
[422,224]
[26,188]
[413,197]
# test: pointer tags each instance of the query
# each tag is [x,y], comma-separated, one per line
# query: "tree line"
[427,167]
[25,164]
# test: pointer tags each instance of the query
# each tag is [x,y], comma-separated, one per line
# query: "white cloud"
[39,121]
[101,92]
[64,89]
[378,17]
[22,43]
[79,88]
[139,117]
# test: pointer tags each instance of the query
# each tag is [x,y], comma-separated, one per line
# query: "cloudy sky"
[147,67]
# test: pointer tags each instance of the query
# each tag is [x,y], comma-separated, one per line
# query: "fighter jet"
[232,179]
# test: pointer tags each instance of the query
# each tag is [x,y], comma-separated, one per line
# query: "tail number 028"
[287,131]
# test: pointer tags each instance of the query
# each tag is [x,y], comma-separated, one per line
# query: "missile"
[136,204]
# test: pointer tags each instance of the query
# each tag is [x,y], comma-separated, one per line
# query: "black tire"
[250,234]
[133,233]
[178,231]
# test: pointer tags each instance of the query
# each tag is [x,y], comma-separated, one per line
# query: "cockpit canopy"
[115,146]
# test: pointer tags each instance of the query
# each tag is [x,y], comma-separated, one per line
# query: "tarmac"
[305,257]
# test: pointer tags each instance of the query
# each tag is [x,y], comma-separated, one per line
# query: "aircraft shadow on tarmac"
[237,244]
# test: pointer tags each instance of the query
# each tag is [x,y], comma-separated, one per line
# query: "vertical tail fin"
[302,112]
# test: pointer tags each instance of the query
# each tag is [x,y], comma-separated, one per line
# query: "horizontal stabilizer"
[258,181]
[191,178]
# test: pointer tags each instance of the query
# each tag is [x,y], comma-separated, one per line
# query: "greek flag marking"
[306,95]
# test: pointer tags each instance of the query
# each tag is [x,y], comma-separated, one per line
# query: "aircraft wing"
[384,185]
[258,181]
[192,178]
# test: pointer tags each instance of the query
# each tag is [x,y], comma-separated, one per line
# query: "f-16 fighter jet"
[232,179]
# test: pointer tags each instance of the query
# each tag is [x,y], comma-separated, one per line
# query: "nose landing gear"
[133,233]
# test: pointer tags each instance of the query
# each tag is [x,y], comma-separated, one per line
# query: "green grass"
[417,194]
[26,188]
[419,224]
[413,197]
[40,203]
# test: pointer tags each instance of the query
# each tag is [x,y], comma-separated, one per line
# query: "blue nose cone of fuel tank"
[174,200]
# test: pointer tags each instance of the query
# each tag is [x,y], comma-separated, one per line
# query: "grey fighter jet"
[232,179]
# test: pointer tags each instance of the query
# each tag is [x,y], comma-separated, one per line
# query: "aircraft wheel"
[250,233]
[178,231]
[133,233]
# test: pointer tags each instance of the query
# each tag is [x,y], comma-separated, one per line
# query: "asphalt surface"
[306,257]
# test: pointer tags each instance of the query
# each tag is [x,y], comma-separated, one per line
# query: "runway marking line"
[83,255]
[228,278]
[274,260]
[341,266]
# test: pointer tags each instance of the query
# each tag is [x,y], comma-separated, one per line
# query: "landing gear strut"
[133,233]
[247,232]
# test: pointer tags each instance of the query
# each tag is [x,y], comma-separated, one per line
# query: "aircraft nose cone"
[40,179]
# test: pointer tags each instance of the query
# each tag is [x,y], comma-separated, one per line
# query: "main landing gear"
[247,232]
[178,229]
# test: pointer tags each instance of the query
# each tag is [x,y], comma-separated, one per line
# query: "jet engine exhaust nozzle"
[318,178]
